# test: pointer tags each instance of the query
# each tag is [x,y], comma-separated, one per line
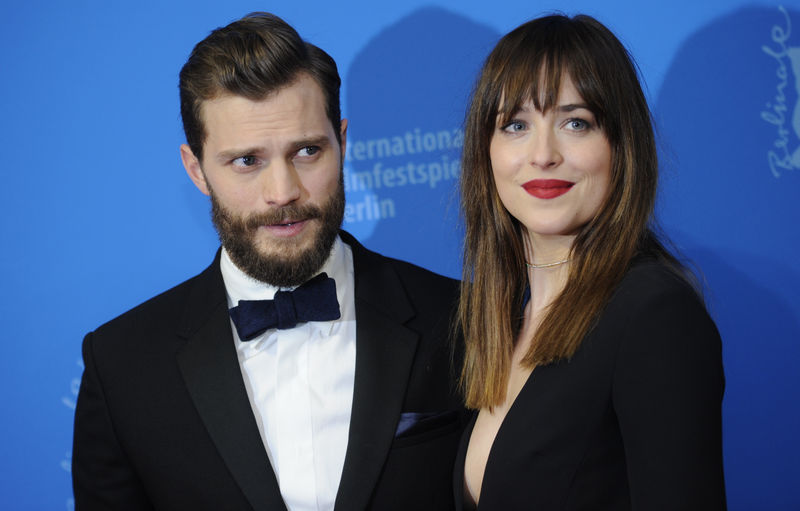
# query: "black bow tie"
[313,301]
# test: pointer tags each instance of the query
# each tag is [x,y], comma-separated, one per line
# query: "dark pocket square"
[413,423]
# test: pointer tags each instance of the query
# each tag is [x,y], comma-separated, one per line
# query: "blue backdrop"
[98,214]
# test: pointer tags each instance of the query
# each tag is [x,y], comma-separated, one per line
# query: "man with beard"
[298,371]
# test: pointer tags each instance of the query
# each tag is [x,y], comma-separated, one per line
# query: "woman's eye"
[514,126]
[578,124]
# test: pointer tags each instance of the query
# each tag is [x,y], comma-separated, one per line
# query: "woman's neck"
[547,259]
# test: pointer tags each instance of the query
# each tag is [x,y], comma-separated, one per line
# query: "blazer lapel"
[384,356]
[210,368]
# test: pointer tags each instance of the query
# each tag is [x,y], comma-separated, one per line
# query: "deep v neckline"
[468,498]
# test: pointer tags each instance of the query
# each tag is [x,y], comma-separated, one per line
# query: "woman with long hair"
[593,365]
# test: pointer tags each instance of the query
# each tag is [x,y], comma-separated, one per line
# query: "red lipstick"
[547,188]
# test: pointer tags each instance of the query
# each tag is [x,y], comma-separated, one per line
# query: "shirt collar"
[240,286]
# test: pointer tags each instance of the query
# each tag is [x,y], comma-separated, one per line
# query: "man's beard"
[288,265]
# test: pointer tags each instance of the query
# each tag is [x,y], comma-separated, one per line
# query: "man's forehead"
[281,124]
[302,102]
[303,83]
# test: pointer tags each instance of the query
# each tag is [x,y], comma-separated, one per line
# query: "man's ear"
[343,135]
[192,166]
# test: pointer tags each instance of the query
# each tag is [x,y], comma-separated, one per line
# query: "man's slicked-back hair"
[252,57]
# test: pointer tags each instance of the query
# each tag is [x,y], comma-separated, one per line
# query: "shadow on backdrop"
[407,93]
[729,113]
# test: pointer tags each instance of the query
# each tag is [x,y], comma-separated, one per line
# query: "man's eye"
[310,150]
[245,161]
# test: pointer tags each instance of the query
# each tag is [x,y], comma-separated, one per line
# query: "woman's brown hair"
[529,64]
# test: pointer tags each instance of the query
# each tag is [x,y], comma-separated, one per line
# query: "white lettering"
[781,157]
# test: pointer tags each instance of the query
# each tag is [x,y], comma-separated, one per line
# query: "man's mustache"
[285,214]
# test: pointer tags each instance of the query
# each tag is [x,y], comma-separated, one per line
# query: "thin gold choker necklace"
[546,265]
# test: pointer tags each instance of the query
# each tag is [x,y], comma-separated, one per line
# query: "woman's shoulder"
[656,309]
[655,300]
[651,280]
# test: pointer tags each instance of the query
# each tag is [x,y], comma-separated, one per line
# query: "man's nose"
[281,184]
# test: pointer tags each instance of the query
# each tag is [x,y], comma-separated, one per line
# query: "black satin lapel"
[384,357]
[384,354]
[211,371]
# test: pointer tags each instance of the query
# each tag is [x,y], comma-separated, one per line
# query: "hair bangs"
[533,67]
[532,77]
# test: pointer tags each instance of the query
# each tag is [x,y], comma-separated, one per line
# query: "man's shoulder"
[409,273]
[403,290]
[415,274]
[164,309]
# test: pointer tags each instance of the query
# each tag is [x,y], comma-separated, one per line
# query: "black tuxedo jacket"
[163,420]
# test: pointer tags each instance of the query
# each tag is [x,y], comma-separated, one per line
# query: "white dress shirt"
[300,385]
